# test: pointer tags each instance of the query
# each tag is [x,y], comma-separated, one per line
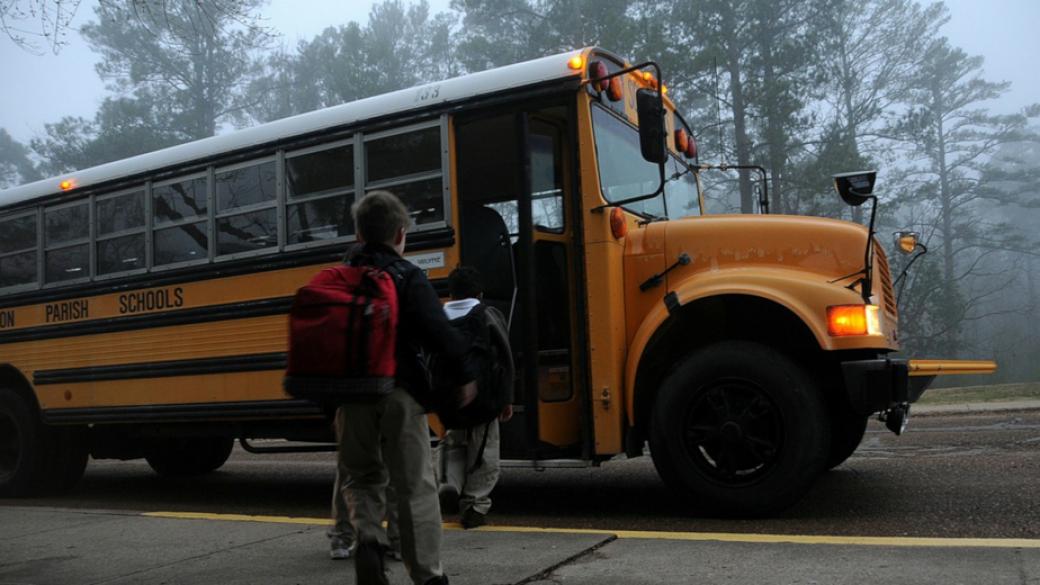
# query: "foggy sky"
[42,89]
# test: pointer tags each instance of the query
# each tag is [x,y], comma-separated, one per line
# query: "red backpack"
[342,336]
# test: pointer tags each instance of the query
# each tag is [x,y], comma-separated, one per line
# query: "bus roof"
[415,98]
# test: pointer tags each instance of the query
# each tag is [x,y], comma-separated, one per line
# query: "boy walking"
[388,441]
[470,456]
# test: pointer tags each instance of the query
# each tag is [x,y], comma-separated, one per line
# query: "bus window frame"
[287,199]
[46,247]
[440,122]
[281,202]
[145,190]
[253,207]
[156,227]
[37,213]
[288,154]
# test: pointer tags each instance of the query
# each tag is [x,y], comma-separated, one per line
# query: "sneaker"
[339,549]
[472,519]
[368,565]
[449,498]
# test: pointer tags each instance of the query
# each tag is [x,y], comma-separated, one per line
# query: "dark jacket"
[421,323]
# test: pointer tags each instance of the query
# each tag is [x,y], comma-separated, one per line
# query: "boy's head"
[464,283]
[381,218]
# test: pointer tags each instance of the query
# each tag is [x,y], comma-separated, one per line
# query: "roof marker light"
[682,140]
[66,184]
[597,72]
[618,225]
[615,92]
[576,62]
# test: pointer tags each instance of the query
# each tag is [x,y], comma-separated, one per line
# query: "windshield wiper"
[651,218]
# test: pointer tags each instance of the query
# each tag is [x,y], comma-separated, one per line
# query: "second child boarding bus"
[143,302]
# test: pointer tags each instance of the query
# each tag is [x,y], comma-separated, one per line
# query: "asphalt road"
[948,476]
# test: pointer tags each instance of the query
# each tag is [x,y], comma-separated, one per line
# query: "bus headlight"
[853,320]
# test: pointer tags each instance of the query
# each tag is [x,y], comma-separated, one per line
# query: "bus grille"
[884,274]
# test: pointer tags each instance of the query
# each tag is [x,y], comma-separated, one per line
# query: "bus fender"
[803,294]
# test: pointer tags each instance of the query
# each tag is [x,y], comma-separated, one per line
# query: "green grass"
[994,393]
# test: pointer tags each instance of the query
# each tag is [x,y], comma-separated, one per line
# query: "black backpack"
[490,357]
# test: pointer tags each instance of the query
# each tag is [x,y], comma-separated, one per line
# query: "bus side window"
[319,186]
[246,215]
[546,179]
[120,226]
[67,233]
[409,164]
[180,215]
[18,250]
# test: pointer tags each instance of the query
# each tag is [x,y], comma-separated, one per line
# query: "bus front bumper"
[880,385]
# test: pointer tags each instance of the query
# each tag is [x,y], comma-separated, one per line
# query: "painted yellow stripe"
[238,518]
[893,541]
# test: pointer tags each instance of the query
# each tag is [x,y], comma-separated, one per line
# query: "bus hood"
[831,248]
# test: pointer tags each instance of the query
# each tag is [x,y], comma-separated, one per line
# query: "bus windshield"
[624,173]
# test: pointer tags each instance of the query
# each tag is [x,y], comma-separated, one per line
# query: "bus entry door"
[513,228]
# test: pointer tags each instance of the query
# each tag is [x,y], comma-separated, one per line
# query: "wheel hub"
[733,431]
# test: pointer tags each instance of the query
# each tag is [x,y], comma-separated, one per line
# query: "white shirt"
[459,308]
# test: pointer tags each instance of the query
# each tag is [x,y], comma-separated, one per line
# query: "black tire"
[70,449]
[24,447]
[740,430]
[847,430]
[184,457]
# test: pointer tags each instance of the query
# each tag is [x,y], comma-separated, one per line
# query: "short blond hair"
[378,215]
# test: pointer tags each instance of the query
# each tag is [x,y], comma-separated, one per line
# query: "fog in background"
[940,97]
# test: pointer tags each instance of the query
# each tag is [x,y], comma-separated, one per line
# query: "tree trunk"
[736,86]
[774,126]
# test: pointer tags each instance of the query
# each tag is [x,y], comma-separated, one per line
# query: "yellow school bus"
[143,302]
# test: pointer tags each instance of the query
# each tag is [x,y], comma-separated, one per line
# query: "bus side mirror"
[651,125]
[855,188]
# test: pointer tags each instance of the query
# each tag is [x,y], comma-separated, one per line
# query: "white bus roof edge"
[397,102]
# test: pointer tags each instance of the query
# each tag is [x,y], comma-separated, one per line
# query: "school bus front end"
[748,351]
[755,365]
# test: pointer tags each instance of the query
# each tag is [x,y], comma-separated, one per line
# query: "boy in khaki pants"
[388,441]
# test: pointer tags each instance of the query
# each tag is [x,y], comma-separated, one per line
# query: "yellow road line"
[238,518]
[892,541]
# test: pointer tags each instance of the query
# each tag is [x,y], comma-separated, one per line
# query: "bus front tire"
[847,431]
[185,457]
[739,429]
